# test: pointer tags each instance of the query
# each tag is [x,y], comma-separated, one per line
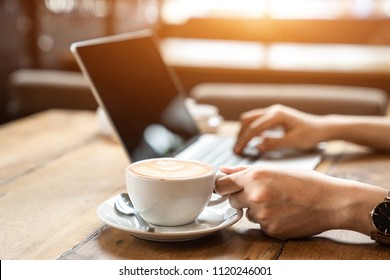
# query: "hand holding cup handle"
[221,198]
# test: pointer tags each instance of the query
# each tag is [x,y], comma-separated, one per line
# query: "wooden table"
[56,168]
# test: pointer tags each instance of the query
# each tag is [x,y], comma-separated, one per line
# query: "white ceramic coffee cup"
[167,195]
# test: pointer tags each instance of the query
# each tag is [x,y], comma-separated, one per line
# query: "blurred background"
[338,42]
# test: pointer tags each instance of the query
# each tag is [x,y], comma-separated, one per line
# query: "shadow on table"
[111,243]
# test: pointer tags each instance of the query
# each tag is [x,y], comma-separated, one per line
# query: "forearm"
[368,131]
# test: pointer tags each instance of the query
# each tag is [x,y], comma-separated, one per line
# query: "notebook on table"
[145,103]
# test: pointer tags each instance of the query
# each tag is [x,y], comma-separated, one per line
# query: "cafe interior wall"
[38,33]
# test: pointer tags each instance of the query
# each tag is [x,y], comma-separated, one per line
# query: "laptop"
[145,103]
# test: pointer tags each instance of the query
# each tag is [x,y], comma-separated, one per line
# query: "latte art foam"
[170,168]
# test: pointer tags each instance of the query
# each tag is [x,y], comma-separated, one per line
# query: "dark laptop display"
[140,94]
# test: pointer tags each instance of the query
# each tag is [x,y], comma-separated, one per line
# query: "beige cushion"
[234,99]
[33,90]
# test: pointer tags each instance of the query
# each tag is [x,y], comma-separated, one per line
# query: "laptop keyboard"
[216,151]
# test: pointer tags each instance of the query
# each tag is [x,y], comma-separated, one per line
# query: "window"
[179,11]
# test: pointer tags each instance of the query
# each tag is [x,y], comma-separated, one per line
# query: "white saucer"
[212,219]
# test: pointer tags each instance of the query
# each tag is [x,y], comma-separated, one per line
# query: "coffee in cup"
[170,191]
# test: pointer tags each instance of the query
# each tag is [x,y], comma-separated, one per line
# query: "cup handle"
[221,198]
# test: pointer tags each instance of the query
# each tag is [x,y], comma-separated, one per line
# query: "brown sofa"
[36,90]
[33,90]
[234,99]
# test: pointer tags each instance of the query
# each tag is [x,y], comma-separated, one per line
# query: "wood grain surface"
[56,168]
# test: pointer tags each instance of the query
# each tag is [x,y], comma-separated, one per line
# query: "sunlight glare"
[179,11]
[290,9]
[60,6]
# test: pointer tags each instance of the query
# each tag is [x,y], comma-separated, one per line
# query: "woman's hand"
[301,130]
[299,203]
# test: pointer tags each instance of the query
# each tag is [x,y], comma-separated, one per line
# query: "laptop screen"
[141,96]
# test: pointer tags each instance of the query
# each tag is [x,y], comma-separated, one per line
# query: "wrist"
[334,127]
[360,200]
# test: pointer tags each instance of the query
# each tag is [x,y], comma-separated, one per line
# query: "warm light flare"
[213,53]
[289,9]
[179,11]
[317,57]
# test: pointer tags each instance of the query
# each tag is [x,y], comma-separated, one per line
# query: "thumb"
[271,144]
[226,185]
